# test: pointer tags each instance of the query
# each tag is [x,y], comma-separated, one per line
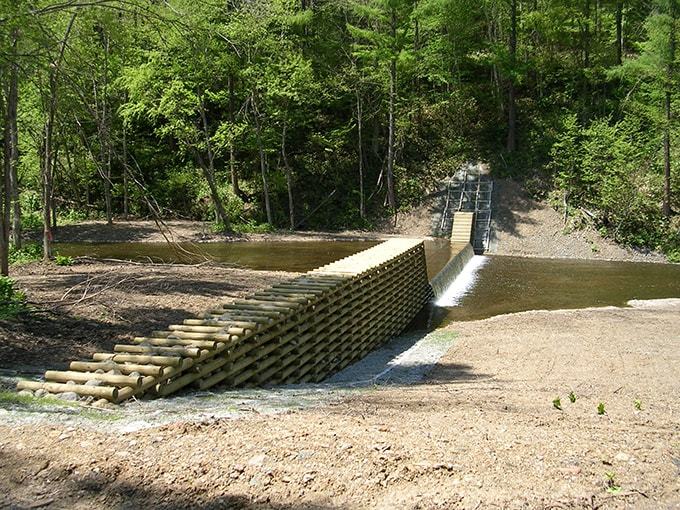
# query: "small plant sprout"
[572,397]
[600,408]
[557,404]
[638,404]
[612,486]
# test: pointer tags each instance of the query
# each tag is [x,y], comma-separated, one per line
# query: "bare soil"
[480,432]
[530,228]
[90,306]
[183,231]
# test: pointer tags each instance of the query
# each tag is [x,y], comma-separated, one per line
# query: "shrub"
[12,301]
[28,253]
[63,260]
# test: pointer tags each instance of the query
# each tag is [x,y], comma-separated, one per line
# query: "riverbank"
[481,431]
[521,226]
[90,306]
[185,231]
[525,227]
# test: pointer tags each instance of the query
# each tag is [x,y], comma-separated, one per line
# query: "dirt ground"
[529,228]
[480,432]
[90,306]
[183,231]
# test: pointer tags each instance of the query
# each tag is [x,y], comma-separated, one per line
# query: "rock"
[307,477]
[41,393]
[239,468]
[101,403]
[304,454]
[345,446]
[135,374]
[113,372]
[257,460]
[99,371]
[570,470]
[93,382]
[622,457]
[70,396]
[70,382]
[25,393]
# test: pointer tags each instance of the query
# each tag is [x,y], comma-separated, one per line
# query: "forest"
[330,114]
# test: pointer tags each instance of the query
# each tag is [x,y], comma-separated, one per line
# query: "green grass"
[12,398]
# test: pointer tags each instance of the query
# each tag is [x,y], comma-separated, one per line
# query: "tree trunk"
[667,210]
[126,199]
[512,108]
[105,134]
[209,172]
[4,193]
[232,157]
[362,205]
[289,178]
[48,157]
[13,134]
[47,172]
[586,34]
[391,195]
[263,163]
[619,32]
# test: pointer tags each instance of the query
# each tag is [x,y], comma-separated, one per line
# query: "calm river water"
[503,284]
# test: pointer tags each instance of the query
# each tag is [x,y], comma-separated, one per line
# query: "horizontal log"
[107,392]
[170,361]
[173,342]
[124,368]
[82,377]
[191,352]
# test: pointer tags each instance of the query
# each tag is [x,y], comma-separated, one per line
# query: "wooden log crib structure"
[301,330]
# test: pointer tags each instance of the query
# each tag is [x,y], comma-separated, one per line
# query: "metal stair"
[470,192]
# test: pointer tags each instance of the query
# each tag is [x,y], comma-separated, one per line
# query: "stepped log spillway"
[301,330]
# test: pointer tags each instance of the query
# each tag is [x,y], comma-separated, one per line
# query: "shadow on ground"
[35,480]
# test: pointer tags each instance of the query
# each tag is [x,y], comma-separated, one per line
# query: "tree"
[383,35]
[656,73]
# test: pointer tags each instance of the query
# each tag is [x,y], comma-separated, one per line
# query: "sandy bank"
[481,432]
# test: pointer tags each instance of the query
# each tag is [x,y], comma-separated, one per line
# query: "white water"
[463,282]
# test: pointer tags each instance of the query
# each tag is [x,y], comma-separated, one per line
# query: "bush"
[63,260]
[12,301]
[28,253]
[252,227]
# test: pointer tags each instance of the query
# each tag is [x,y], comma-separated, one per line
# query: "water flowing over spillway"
[462,283]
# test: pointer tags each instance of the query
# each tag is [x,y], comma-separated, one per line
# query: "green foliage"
[63,260]
[12,301]
[612,486]
[638,404]
[572,397]
[31,252]
[600,409]
[557,403]
[200,90]
[252,227]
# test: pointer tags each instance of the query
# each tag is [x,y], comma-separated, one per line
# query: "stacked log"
[301,330]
